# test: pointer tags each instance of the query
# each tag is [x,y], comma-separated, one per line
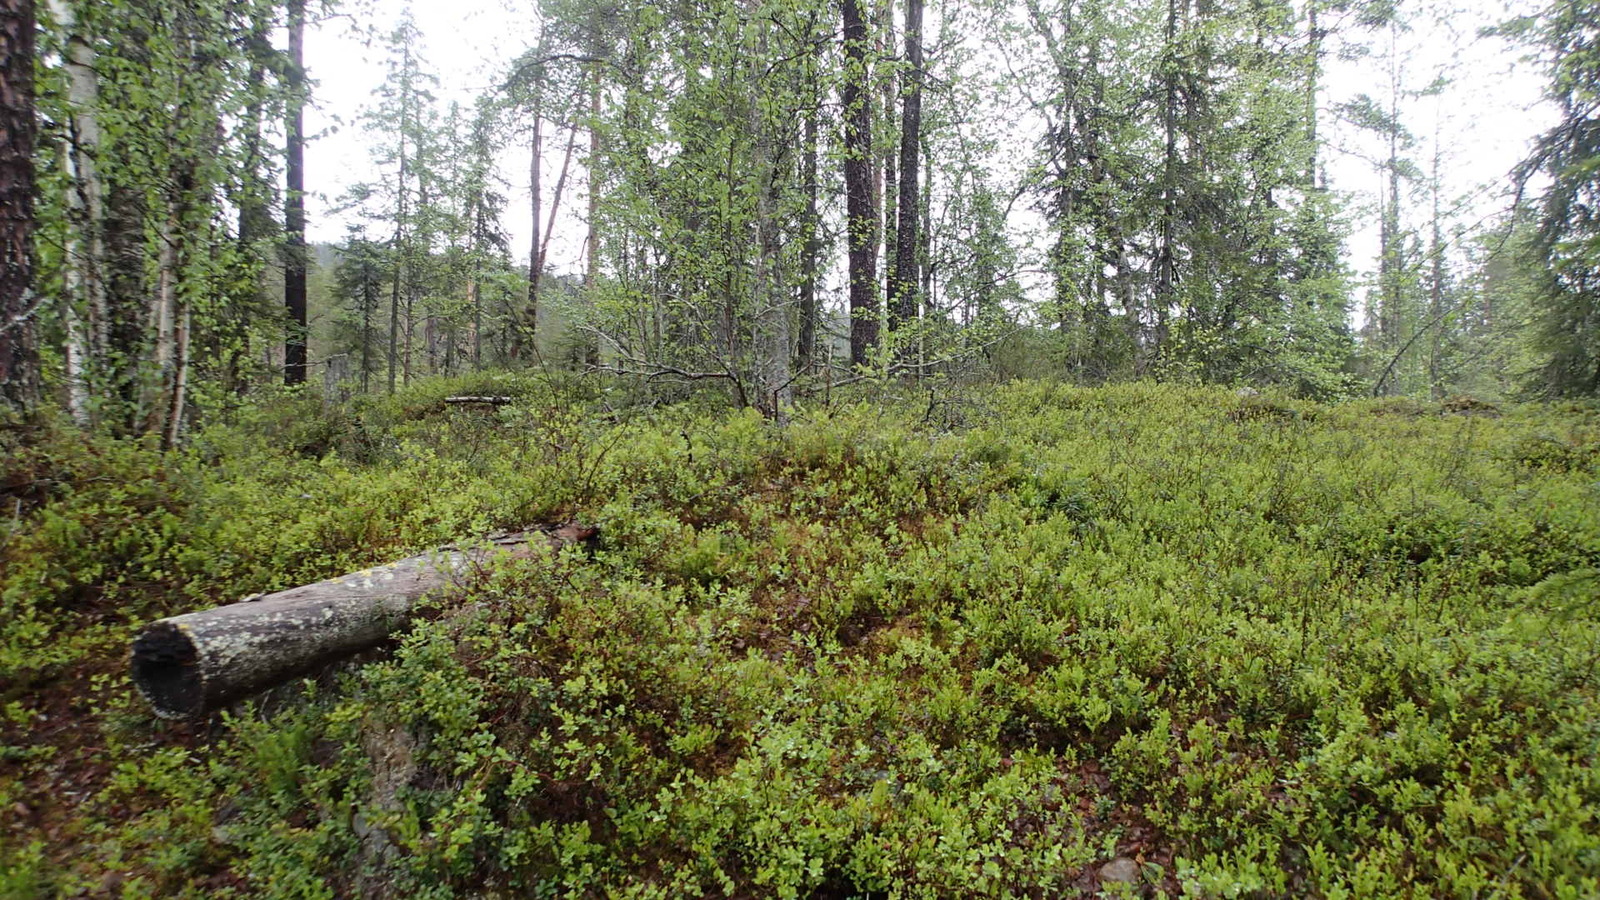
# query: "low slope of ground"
[1022,641]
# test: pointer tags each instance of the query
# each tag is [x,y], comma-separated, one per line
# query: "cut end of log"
[574,533]
[165,671]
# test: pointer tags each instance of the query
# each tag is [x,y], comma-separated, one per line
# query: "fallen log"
[188,665]
[489,401]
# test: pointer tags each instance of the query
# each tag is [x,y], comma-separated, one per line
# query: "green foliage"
[1257,645]
[1567,250]
[1191,238]
[147,164]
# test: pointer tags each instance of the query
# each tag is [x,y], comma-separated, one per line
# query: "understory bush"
[1249,647]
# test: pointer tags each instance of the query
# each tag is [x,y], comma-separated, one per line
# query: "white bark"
[180,378]
[78,353]
[84,309]
[162,322]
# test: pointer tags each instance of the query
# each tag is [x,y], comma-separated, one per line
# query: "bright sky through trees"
[1486,117]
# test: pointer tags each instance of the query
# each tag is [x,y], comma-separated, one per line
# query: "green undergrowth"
[978,645]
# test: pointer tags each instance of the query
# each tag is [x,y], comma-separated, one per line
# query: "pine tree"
[364,269]
[19,374]
[1568,245]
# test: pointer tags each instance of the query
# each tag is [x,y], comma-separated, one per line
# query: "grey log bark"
[487,400]
[188,665]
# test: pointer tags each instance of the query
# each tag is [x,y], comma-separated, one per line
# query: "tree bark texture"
[188,665]
[19,374]
[886,186]
[530,316]
[903,283]
[294,203]
[861,207]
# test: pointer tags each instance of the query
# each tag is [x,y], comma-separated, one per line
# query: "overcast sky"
[1485,120]
[466,43]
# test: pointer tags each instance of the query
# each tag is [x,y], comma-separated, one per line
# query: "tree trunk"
[475,299]
[230,340]
[369,304]
[1391,266]
[1314,40]
[402,252]
[84,309]
[156,386]
[861,207]
[1166,253]
[188,665]
[19,362]
[903,283]
[591,276]
[772,363]
[887,183]
[555,198]
[1436,286]
[1389,238]
[530,317]
[294,203]
[925,258]
[394,309]
[409,333]
[180,376]
[807,349]
[127,305]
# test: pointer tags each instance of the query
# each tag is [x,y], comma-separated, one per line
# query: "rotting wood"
[188,665]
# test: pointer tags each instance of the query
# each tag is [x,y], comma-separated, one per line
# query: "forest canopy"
[771,196]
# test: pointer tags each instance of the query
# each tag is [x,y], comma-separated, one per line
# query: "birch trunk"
[84,311]
[180,377]
[161,320]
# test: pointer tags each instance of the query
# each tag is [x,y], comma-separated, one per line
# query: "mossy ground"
[973,645]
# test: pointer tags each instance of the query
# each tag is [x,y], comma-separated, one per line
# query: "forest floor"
[1029,640]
